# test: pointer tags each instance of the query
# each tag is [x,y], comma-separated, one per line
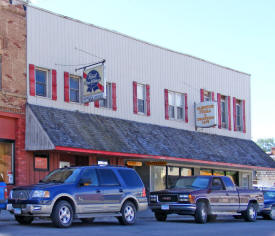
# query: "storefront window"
[186,172]
[6,161]
[158,174]
[205,172]
[173,175]
[218,172]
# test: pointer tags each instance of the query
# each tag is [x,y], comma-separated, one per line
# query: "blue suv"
[269,204]
[83,193]
[3,194]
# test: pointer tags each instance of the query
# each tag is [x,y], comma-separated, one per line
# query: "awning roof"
[55,129]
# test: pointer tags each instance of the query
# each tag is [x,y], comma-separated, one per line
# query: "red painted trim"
[186,107]
[234,114]
[202,95]
[54,85]
[148,99]
[10,115]
[244,125]
[166,104]
[86,104]
[229,112]
[213,96]
[66,87]
[219,111]
[135,108]
[96,103]
[144,156]
[32,79]
[114,106]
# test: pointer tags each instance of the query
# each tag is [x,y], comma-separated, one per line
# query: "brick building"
[13,157]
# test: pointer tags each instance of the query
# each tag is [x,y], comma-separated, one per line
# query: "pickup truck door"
[112,190]
[89,195]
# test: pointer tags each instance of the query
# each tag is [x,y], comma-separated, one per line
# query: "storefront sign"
[40,163]
[134,163]
[156,163]
[93,84]
[206,114]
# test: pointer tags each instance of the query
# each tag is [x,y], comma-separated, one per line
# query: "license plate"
[17,211]
[165,207]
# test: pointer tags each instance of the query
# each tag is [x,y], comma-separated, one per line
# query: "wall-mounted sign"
[206,114]
[93,84]
[134,163]
[156,163]
[41,163]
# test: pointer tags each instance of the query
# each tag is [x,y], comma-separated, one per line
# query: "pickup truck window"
[199,182]
[66,175]
[228,183]
[107,177]
[217,184]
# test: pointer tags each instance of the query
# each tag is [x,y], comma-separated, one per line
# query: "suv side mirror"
[85,182]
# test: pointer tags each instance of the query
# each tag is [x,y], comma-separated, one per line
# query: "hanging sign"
[93,84]
[206,114]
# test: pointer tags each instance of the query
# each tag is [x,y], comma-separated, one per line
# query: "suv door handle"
[98,191]
[120,190]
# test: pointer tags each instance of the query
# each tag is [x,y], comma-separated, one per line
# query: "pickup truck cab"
[3,194]
[81,192]
[205,197]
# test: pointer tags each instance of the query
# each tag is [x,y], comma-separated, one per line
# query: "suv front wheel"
[62,215]
[128,212]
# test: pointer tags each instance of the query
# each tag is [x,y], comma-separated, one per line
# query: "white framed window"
[141,103]
[224,112]
[42,82]
[74,85]
[207,96]
[107,102]
[176,105]
[239,115]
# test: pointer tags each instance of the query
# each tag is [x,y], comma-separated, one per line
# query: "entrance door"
[81,161]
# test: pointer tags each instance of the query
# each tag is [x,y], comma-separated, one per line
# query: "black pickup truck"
[205,197]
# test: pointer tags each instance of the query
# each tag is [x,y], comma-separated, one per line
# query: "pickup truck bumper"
[177,208]
[30,209]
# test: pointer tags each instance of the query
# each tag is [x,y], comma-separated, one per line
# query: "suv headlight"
[41,194]
[153,198]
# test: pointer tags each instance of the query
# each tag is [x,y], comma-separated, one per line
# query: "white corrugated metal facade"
[53,43]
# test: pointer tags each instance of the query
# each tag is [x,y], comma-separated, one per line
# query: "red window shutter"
[234,114]
[244,125]
[66,87]
[186,108]
[135,97]
[114,96]
[96,103]
[166,104]
[229,112]
[54,85]
[148,99]
[86,104]
[32,79]
[213,96]
[219,111]
[202,95]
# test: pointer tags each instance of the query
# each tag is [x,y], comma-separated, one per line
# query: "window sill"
[177,120]
[106,108]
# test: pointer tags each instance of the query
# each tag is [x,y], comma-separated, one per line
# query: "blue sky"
[236,34]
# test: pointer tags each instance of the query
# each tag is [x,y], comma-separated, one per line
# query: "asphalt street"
[145,225]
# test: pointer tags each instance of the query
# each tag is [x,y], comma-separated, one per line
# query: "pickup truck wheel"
[201,213]
[251,213]
[128,212]
[271,215]
[24,220]
[62,214]
[160,216]
[87,220]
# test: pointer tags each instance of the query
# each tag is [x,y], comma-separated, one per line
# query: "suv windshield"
[66,175]
[193,182]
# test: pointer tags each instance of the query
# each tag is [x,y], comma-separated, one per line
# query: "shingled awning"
[55,129]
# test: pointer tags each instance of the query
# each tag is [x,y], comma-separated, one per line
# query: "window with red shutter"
[202,95]
[54,85]
[186,107]
[244,122]
[32,79]
[219,111]
[166,104]
[229,112]
[114,106]
[66,87]
[135,97]
[148,99]
[234,114]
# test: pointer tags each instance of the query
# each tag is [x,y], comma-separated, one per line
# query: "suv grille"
[168,198]
[21,194]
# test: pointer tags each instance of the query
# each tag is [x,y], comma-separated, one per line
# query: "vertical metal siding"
[52,43]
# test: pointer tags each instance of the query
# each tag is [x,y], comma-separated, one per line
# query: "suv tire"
[271,215]
[24,220]
[251,212]
[128,212]
[201,213]
[160,216]
[62,214]
[87,220]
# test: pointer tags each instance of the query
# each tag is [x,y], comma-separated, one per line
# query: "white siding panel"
[52,43]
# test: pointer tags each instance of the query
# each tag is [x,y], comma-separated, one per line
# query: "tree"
[266,144]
